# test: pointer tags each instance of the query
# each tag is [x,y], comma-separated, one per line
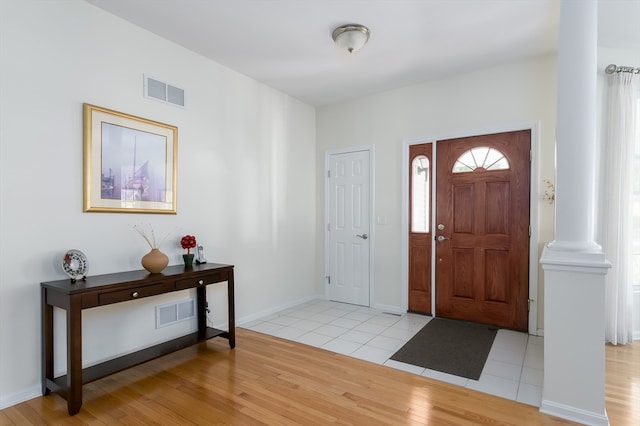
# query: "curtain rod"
[612,68]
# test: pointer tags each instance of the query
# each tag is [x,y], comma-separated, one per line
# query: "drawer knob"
[201,282]
[135,294]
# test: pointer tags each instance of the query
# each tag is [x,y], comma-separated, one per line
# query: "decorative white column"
[574,265]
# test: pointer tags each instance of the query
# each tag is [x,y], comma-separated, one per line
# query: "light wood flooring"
[267,380]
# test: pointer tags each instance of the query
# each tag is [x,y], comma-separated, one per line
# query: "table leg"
[201,302]
[232,311]
[74,354]
[47,341]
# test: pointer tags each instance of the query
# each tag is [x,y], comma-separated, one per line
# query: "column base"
[585,254]
[574,414]
[574,345]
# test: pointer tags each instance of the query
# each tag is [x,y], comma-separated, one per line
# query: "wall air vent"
[164,92]
[175,312]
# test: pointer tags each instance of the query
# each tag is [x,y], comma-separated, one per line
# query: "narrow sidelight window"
[420,194]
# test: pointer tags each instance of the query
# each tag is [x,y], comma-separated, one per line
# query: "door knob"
[363,236]
[441,238]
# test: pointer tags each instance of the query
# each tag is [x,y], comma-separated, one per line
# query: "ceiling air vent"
[161,91]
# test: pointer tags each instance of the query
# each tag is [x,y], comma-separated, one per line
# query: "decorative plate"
[75,264]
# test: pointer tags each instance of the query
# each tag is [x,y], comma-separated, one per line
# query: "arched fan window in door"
[481,157]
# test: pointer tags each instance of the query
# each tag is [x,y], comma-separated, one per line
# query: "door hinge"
[329,174]
[529,304]
[529,230]
[328,227]
[530,155]
[328,277]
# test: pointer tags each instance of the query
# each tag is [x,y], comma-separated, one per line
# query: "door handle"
[363,236]
[441,238]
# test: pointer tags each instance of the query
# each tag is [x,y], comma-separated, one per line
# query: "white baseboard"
[540,332]
[574,414]
[389,308]
[20,396]
[257,315]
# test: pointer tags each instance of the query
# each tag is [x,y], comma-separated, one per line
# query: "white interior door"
[348,228]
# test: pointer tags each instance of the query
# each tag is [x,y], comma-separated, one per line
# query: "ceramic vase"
[188,259]
[154,261]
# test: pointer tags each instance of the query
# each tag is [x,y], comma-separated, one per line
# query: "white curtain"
[618,193]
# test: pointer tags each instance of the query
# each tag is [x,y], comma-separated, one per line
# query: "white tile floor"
[514,368]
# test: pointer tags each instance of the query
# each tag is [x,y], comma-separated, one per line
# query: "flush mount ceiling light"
[351,37]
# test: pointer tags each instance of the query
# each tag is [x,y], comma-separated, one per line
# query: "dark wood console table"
[102,290]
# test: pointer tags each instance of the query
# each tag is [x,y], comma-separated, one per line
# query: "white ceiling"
[287,44]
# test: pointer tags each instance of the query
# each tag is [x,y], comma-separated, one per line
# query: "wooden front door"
[420,235]
[482,236]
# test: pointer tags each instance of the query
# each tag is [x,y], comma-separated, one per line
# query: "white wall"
[506,95]
[246,179]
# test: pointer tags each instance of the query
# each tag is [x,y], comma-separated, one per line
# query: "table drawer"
[201,281]
[136,292]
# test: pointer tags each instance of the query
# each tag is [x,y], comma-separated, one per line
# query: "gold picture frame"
[130,163]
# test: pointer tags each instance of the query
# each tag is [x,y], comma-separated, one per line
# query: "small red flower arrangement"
[188,242]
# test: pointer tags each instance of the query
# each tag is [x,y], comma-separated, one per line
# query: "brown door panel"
[482,268]
[420,243]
